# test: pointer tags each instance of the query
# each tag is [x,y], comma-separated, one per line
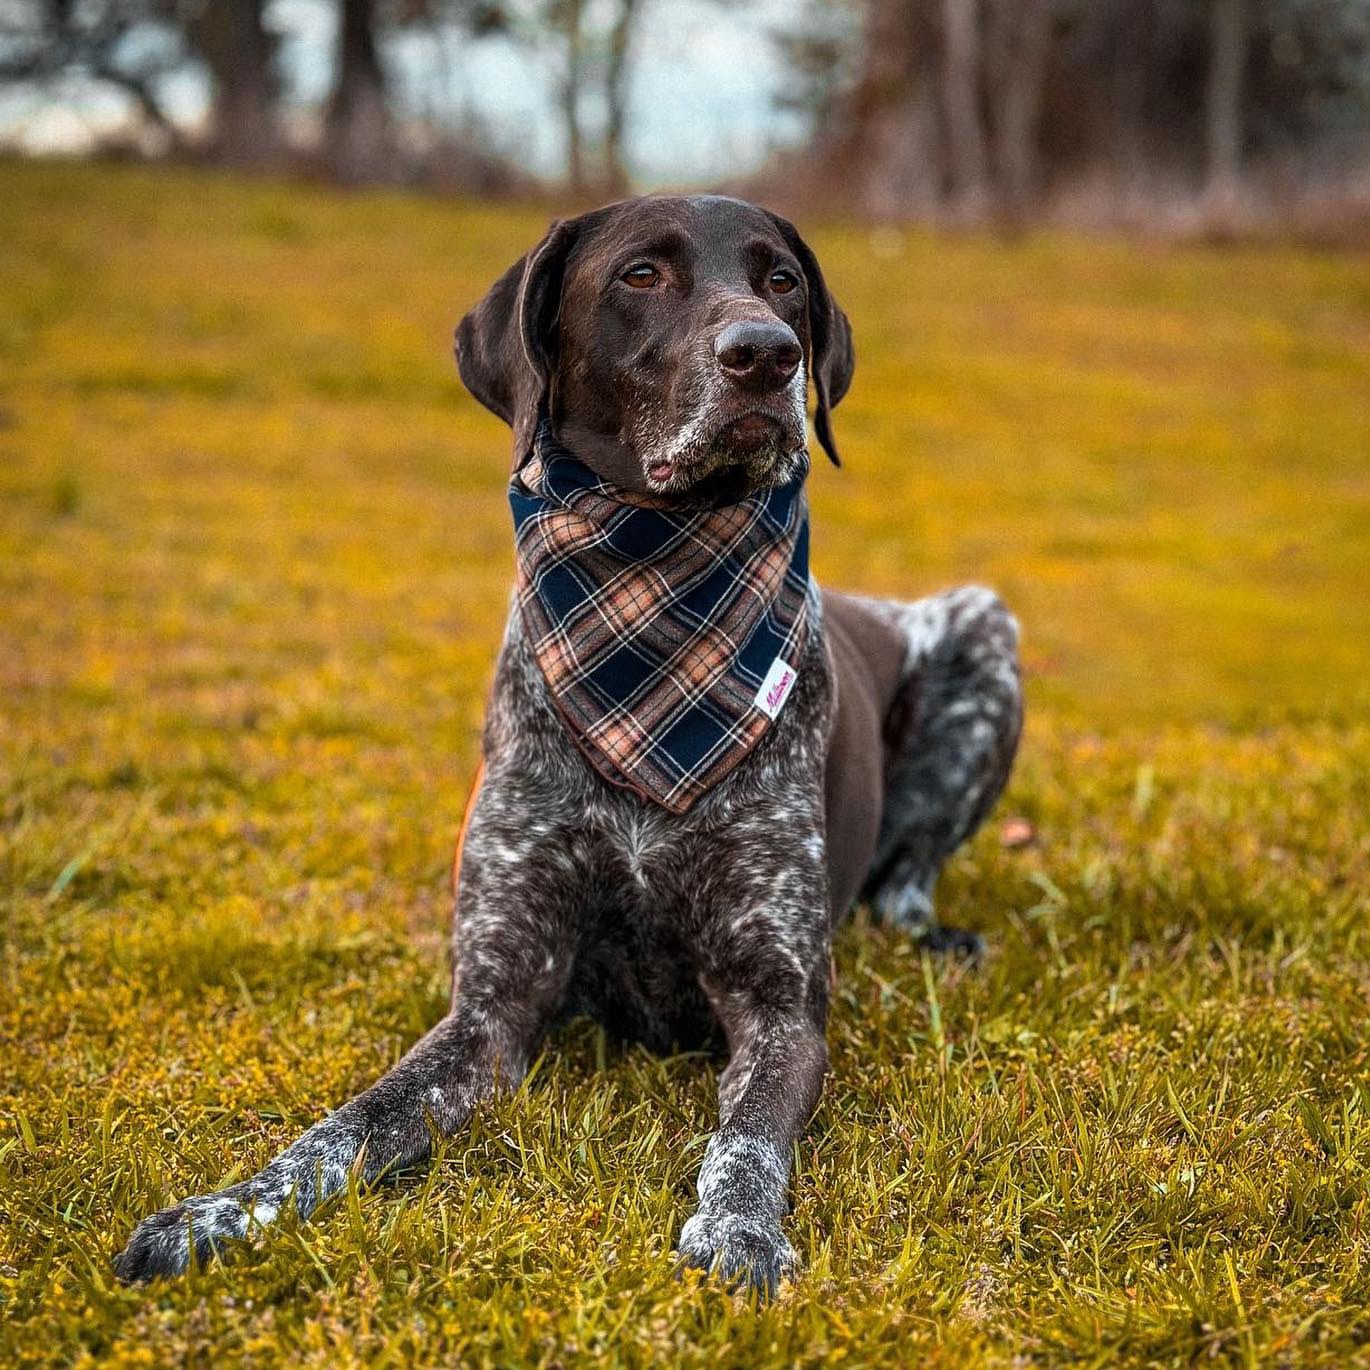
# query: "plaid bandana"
[668,635]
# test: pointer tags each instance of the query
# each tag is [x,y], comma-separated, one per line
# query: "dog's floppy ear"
[506,346]
[832,359]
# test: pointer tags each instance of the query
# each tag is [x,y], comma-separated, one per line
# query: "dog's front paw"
[745,1253]
[160,1245]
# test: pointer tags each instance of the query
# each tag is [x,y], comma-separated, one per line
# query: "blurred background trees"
[962,110]
[993,106]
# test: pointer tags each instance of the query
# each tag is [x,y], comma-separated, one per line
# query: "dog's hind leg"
[951,734]
[513,966]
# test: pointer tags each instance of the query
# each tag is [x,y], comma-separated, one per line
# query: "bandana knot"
[668,633]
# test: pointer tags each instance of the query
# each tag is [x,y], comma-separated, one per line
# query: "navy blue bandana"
[669,634]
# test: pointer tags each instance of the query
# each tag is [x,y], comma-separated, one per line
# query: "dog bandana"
[668,634]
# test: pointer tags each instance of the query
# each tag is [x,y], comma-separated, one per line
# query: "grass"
[254,558]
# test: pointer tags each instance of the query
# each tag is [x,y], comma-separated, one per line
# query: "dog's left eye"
[782,282]
[642,276]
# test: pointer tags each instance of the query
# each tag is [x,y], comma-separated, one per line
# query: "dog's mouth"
[747,453]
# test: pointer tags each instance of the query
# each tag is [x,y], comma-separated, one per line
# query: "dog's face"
[669,339]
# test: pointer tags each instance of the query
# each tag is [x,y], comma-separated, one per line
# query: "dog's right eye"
[642,276]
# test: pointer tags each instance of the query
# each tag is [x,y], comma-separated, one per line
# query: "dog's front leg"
[766,1096]
[461,1061]
[512,970]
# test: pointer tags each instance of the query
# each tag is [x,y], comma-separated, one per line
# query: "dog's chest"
[649,906]
[744,835]
[671,912]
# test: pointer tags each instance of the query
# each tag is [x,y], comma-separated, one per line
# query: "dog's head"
[670,340]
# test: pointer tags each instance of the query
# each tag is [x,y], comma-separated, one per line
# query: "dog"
[678,884]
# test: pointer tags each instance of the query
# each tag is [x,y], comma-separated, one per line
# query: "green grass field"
[254,559]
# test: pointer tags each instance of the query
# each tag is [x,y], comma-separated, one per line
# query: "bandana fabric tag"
[775,689]
[664,630]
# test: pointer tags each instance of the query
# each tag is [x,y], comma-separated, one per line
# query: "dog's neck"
[614,462]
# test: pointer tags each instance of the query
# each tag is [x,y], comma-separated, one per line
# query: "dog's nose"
[762,355]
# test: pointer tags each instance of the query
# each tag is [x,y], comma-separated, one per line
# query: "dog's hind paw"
[160,1245]
[952,942]
[907,906]
[742,1252]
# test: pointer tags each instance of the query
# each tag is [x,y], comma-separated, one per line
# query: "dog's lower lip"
[661,470]
[749,433]
[753,425]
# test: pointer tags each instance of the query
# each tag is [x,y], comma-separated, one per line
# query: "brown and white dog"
[667,343]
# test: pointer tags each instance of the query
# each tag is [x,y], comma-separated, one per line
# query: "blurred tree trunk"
[1023,47]
[883,149]
[1130,59]
[961,100]
[616,94]
[568,16]
[1226,72]
[238,50]
[358,138]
